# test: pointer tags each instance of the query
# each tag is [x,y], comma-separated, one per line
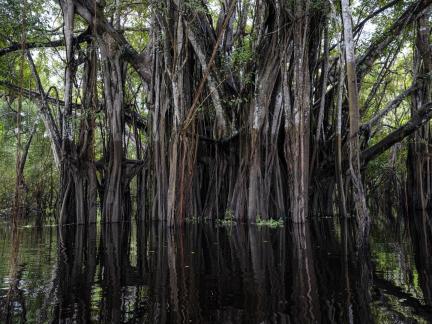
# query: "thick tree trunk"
[298,135]
[354,119]
[112,209]
[339,170]
[70,211]
[419,161]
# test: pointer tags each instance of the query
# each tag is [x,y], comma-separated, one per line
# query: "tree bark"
[300,115]
[112,65]
[362,213]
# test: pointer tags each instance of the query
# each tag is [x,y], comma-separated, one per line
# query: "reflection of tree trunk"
[346,271]
[14,296]
[172,250]
[115,264]
[362,285]
[257,269]
[305,291]
[160,278]
[421,236]
[75,272]
[143,245]
[249,274]
[267,271]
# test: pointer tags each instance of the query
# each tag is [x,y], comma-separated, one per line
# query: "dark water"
[209,274]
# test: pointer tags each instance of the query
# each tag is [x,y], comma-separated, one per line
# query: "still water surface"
[209,274]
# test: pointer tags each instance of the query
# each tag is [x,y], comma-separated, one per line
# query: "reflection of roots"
[14,299]
[386,287]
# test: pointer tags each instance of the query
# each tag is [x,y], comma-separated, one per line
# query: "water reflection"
[74,274]
[420,227]
[13,301]
[304,273]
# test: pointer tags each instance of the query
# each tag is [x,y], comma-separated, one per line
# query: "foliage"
[236,71]
[228,220]
[272,223]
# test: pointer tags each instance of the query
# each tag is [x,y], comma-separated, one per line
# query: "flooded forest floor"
[213,273]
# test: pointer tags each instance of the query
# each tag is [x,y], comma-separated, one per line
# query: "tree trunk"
[362,213]
[419,162]
[113,89]
[297,155]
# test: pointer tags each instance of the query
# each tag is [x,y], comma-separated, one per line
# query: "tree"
[354,122]
[238,109]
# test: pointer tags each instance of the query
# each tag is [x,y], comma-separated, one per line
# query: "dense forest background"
[187,110]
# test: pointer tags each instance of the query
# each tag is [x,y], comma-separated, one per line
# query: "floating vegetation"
[273,223]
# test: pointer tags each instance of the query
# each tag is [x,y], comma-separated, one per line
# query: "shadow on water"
[208,274]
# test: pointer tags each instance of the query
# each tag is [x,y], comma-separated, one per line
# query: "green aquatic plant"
[272,223]
[228,219]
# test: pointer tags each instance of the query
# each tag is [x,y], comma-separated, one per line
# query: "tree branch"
[47,117]
[374,14]
[130,115]
[422,116]
[83,37]
[390,106]
[140,62]
[365,62]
